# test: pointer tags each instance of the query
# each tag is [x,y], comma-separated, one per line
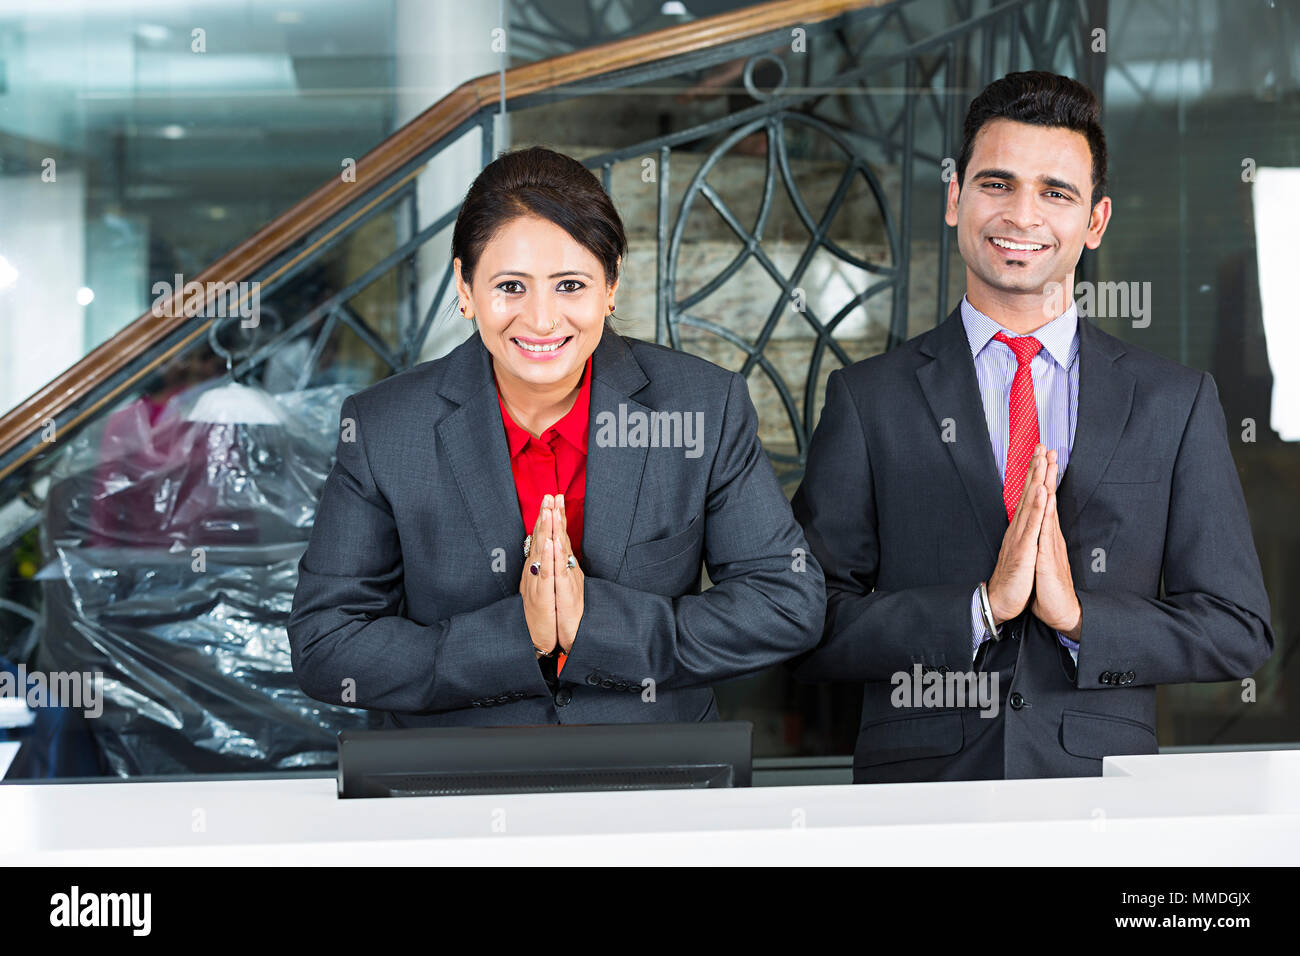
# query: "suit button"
[1104,677]
[1017,700]
[607,683]
[477,703]
[563,697]
[593,680]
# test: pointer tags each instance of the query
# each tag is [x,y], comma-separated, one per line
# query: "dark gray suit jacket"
[408,592]
[906,525]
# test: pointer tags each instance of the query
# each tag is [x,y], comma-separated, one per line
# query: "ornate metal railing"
[878,85]
[338,209]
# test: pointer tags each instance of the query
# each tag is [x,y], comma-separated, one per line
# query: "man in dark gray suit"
[957,571]
[408,595]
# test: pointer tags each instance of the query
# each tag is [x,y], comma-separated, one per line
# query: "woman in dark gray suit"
[513,533]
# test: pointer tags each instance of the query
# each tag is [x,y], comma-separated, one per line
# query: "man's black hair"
[1041,99]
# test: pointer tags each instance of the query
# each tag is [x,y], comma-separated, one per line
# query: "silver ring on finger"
[571,563]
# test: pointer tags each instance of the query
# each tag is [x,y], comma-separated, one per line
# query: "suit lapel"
[472,439]
[952,391]
[613,472]
[1105,401]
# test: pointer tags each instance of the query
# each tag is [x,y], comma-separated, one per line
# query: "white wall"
[439,46]
[1276,197]
[42,236]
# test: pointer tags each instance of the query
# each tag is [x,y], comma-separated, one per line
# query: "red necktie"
[1023,418]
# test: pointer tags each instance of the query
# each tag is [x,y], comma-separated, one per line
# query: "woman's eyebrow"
[553,275]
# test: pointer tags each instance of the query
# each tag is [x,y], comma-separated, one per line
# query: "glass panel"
[165,157]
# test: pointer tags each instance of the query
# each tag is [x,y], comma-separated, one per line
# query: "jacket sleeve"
[1213,623]
[767,600]
[870,633]
[349,643]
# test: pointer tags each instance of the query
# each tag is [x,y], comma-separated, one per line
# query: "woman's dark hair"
[539,182]
[1041,99]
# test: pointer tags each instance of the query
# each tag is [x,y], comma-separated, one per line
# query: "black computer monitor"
[451,761]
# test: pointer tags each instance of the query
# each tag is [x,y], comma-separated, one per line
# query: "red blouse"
[555,463]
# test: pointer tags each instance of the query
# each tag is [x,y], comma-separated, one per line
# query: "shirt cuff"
[979,633]
[1071,646]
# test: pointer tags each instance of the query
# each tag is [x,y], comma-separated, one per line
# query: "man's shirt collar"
[1059,337]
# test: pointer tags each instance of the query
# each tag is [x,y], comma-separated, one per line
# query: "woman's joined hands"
[553,597]
[569,589]
[538,590]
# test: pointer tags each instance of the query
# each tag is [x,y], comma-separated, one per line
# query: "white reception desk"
[1204,809]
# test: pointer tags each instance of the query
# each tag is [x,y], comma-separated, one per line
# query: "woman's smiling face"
[540,299]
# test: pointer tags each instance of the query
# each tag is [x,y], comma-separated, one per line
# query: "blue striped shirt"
[1055,372]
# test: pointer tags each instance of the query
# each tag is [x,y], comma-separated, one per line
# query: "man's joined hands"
[1033,568]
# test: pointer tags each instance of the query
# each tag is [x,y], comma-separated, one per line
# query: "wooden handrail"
[296,223]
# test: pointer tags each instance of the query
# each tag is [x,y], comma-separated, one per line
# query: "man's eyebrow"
[553,275]
[1059,184]
[995,174]
[1007,174]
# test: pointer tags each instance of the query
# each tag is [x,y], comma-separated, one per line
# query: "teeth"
[539,348]
[1022,246]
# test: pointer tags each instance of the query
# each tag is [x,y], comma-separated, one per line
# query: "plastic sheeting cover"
[173,548]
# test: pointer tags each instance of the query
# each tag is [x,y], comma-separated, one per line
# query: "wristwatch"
[987,610]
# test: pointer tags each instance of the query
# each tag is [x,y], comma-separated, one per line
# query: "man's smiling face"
[1024,211]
